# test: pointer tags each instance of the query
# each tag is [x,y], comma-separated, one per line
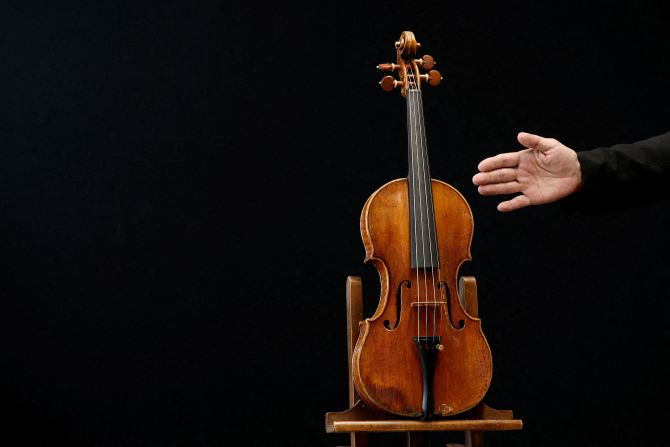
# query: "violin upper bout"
[385,217]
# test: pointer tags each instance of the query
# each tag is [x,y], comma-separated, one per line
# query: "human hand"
[544,172]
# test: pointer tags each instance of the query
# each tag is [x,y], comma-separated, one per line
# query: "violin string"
[421,181]
[414,201]
[432,229]
[432,233]
[422,210]
[443,293]
[420,259]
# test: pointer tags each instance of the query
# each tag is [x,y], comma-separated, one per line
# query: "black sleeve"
[622,176]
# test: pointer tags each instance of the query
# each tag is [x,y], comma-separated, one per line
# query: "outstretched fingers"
[506,160]
[502,175]
[529,140]
[536,142]
[517,202]
[499,188]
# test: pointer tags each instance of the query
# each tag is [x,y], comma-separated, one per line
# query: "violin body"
[420,354]
[386,363]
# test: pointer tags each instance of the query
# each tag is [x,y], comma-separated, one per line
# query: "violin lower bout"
[387,369]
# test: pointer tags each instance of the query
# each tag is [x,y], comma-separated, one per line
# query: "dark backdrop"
[181,188]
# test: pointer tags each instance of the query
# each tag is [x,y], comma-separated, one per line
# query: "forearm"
[623,175]
[624,166]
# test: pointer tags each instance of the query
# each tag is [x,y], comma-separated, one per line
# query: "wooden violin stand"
[359,419]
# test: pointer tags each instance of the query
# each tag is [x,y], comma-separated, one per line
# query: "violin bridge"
[427,303]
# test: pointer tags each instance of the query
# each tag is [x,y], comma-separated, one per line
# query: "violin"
[420,354]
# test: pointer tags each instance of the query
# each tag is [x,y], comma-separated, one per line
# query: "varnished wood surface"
[385,363]
[354,316]
[359,420]
[415,425]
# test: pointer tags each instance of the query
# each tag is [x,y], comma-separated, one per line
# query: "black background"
[181,188]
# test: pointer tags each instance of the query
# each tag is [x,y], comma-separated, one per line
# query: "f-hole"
[442,285]
[398,304]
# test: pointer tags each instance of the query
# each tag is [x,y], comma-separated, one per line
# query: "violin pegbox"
[407,66]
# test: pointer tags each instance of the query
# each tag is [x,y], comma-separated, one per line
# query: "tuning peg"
[397,44]
[388,83]
[388,67]
[426,62]
[433,77]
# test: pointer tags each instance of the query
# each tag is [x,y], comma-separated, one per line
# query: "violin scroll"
[408,66]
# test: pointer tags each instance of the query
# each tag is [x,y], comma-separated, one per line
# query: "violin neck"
[424,252]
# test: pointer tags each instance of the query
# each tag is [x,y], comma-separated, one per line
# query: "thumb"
[529,140]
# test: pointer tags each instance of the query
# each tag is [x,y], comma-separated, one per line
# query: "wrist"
[579,180]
